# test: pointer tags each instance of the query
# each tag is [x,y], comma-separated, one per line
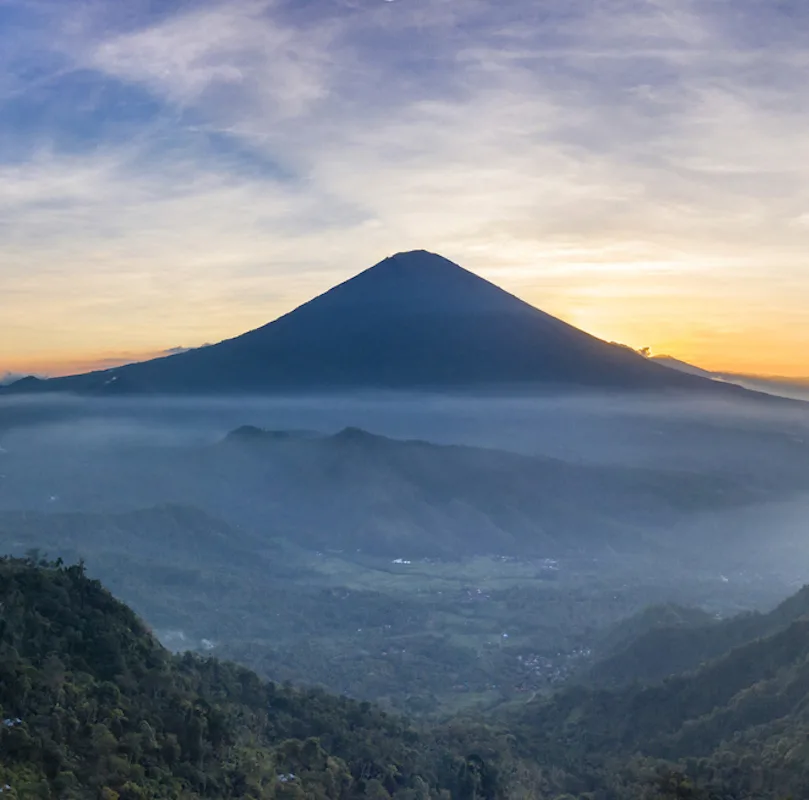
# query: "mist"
[602,427]
[387,534]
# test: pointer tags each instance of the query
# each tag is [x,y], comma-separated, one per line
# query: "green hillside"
[668,640]
[93,707]
[737,727]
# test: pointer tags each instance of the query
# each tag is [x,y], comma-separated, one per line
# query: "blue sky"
[173,173]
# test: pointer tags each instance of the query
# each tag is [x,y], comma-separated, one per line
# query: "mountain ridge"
[356,489]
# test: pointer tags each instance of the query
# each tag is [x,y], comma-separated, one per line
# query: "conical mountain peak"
[415,320]
[420,258]
[420,261]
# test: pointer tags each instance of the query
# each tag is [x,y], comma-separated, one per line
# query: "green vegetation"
[93,706]
[738,727]
[668,640]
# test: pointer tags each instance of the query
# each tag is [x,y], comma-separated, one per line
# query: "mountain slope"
[682,645]
[683,366]
[415,320]
[417,498]
[788,388]
[92,707]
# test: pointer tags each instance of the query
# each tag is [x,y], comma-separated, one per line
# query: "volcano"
[414,321]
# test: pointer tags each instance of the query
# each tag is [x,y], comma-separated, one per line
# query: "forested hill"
[738,727]
[666,641]
[92,706]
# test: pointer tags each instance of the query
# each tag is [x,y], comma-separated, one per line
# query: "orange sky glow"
[641,314]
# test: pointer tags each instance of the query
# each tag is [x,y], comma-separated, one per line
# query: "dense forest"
[667,640]
[92,706]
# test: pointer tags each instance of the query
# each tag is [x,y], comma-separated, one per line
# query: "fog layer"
[320,538]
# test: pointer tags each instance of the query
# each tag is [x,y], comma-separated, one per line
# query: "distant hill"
[413,321]
[357,490]
[666,641]
[789,388]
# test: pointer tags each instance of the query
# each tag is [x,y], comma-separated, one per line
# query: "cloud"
[598,151]
[572,123]
[176,351]
[223,55]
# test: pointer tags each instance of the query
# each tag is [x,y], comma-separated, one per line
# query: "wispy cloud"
[228,56]
[597,156]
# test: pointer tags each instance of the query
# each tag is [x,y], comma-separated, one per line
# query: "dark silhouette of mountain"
[415,320]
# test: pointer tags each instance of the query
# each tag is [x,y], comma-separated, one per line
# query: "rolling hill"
[357,490]
[736,725]
[667,641]
[413,321]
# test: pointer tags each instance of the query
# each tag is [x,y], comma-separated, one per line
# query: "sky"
[175,173]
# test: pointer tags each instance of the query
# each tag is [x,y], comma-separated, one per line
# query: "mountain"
[91,706]
[735,726]
[415,498]
[415,320]
[788,388]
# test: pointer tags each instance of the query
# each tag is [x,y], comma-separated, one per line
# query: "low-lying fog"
[604,428]
[338,557]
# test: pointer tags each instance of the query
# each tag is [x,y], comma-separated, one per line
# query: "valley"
[132,715]
[420,635]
